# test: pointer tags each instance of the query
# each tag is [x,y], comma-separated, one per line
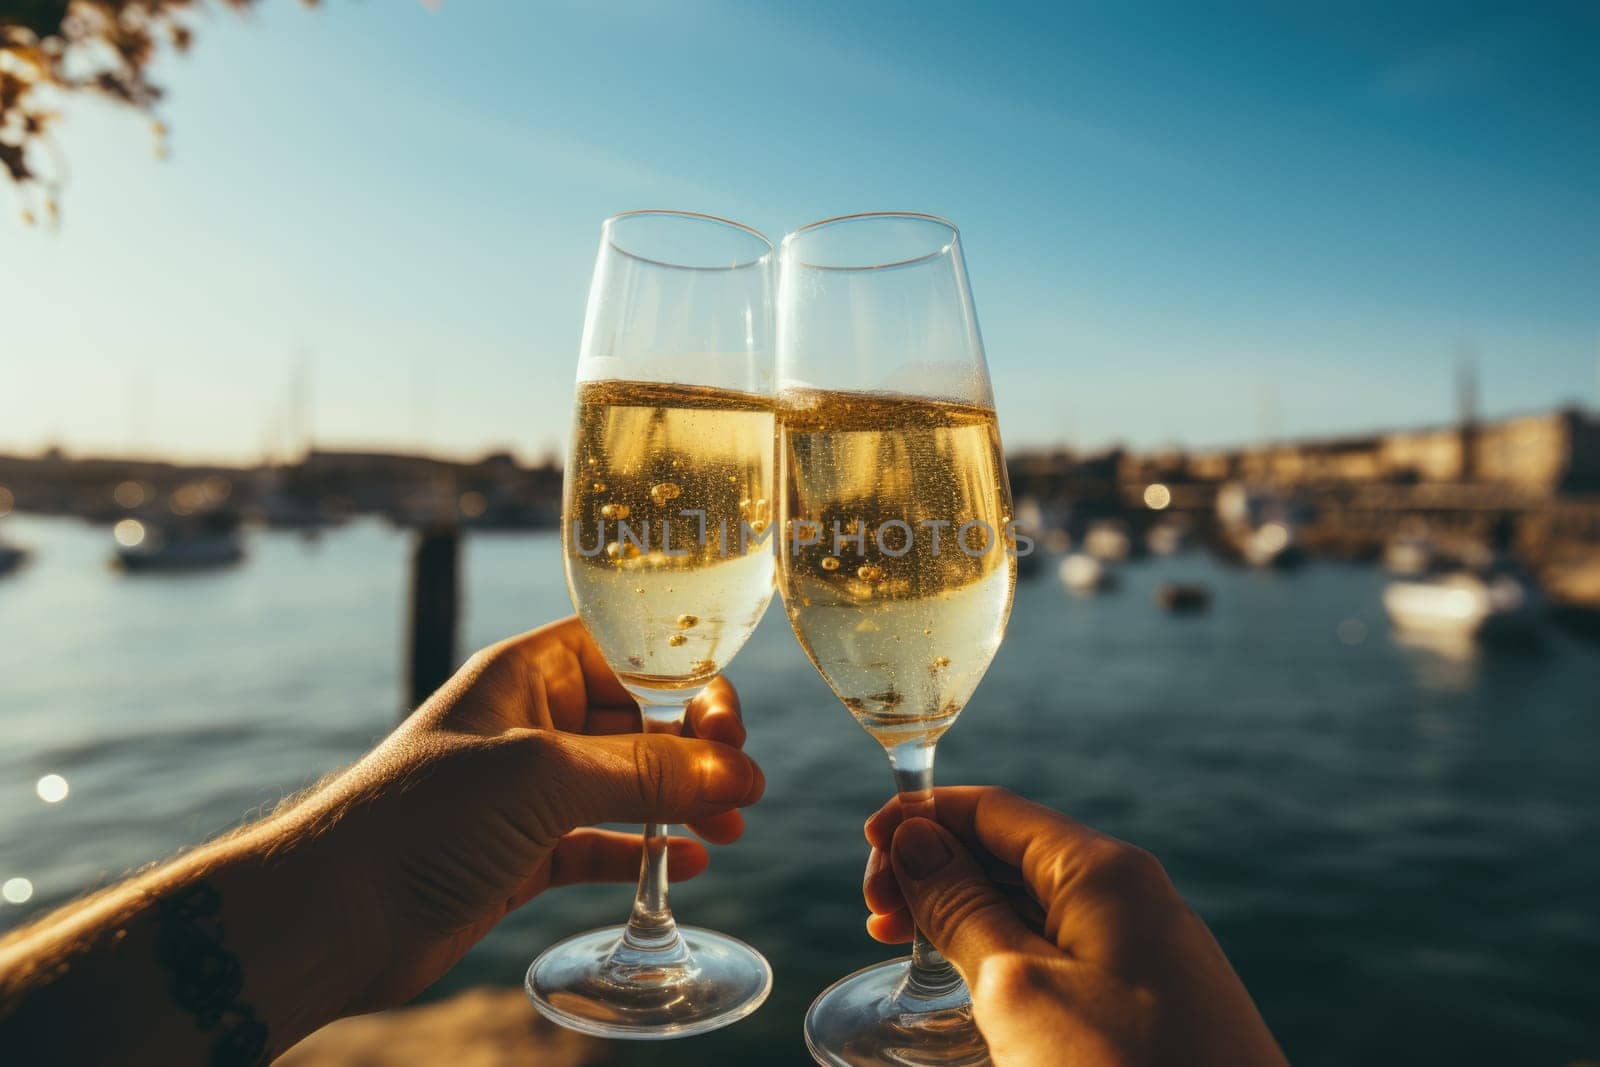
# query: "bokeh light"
[17,890]
[129,494]
[187,499]
[129,533]
[1273,536]
[52,788]
[473,504]
[1157,496]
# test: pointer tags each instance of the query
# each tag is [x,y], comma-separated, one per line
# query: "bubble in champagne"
[614,550]
[703,666]
[830,563]
[636,661]
[869,572]
[639,589]
[598,487]
[676,640]
[941,662]
[662,492]
[614,511]
[688,622]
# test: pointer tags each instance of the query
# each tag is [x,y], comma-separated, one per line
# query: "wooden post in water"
[435,603]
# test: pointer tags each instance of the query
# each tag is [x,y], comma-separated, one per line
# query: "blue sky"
[1171,211]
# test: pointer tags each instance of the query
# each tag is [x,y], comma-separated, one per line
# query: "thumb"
[645,778]
[954,903]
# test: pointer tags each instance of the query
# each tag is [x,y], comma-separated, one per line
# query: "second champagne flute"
[897,550]
[664,537]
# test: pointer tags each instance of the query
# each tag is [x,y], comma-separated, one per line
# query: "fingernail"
[727,782]
[724,784]
[875,864]
[920,848]
[877,870]
[758,784]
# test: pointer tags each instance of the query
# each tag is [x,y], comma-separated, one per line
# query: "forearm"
[227,955]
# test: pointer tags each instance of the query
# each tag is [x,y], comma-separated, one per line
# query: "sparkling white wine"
[901,596]
[665,526]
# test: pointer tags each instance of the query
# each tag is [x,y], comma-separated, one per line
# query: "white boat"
[1083,573]
[1461,604]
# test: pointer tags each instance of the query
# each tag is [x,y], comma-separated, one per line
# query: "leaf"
[12,158]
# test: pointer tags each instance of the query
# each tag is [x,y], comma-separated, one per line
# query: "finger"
[878,886]
[723,829]
[589,855]
[613,721]
[592,684]
[714,714]
[963,913]
[637,777]
[552,676]
[896,927]
[882,892]
[1045,846]
[892,929]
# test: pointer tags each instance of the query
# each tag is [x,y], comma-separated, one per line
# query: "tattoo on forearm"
[206,978]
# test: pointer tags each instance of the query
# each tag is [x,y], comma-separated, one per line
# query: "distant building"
[1559,451]
[1553,452]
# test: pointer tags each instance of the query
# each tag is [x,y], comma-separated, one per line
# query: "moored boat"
[11,557]
[199,542]
[1409,554]
[1462,604]
[1083,573]
[1184,598]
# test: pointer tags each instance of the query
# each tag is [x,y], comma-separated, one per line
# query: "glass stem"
[651,930]
[931,975]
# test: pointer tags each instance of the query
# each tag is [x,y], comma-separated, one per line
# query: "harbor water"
[1397,844]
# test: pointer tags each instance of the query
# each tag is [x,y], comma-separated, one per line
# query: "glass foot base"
[869,1019]
[582,983]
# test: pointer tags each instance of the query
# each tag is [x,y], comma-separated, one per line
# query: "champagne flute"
[897,551]
[664,536]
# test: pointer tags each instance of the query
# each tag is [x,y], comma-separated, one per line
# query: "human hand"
[1076,946]
[483,798]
